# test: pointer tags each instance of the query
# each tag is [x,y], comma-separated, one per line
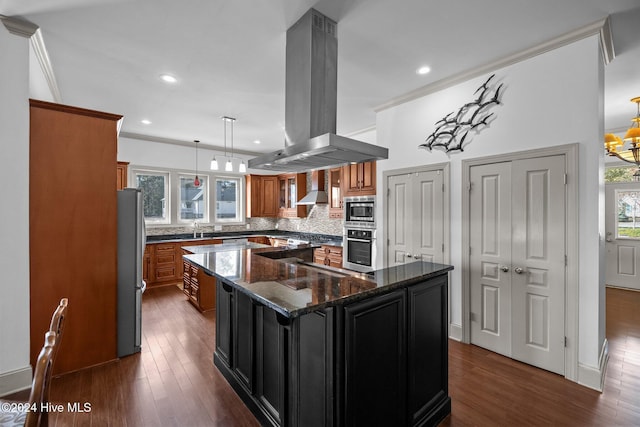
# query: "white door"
[622,221]
[517,259]
[415,215]
[490,257]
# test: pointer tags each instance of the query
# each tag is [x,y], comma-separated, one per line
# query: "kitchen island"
[304,345]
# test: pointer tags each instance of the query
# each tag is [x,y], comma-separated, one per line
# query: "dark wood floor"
[173,382]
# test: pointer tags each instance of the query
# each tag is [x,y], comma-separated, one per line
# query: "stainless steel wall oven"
[359,251]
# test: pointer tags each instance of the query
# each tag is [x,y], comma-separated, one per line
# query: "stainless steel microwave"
[360,211]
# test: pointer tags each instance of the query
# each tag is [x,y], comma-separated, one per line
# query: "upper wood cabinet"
[359,179]
[262,196]
[291,188]
[73,231]
[121,175]
[276,195]
[335,193]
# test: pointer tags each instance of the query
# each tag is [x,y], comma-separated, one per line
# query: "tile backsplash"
[317,221]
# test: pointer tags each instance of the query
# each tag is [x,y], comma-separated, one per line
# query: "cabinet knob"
[504,268]
[518,270]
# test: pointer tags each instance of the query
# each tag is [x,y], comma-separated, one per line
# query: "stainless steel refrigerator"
[131,242]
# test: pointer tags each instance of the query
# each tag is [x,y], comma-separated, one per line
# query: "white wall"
[150,153]
[550,99]
[15,371]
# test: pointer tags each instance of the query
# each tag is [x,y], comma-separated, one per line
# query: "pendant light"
[196,181]
[229,165]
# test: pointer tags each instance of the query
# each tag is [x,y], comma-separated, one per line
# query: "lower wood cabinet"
[264,240]
[199,287]
[380,361]
[162,263]
[328,255]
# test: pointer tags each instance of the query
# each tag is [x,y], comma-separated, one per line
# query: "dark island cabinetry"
[380,360]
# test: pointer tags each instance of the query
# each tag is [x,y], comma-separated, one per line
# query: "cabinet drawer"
[165,273]
[165,258]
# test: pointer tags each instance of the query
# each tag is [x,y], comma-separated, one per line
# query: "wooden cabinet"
[262,196]
[199,287]
[277,242]
[359,179]
[328,255]
[291,188]
[276,195]
[162,264]
[73,231]
[146,264]
[122,175]
[335,193]
[264,240]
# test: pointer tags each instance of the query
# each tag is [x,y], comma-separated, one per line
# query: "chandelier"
[613,144]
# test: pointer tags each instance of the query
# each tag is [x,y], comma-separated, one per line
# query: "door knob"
[504,268]
[518,270]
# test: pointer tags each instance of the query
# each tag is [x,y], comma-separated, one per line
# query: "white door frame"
[570,152]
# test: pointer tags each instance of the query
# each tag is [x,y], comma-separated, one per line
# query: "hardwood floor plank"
[173,381]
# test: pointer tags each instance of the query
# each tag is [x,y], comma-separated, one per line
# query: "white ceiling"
[229,56]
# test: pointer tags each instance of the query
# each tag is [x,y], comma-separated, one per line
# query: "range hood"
[317,194]
[310,104]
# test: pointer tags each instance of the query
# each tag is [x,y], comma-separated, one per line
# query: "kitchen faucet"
[195,229]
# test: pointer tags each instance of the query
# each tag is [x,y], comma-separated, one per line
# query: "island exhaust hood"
[310,104]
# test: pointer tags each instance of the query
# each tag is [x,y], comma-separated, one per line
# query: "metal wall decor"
[452,130]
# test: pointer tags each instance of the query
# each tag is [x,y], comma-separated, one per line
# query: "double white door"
[517,259]
[415,217]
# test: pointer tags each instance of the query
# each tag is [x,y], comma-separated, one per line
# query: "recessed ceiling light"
[423,70]
[168,78]
[257,141]
[145,122]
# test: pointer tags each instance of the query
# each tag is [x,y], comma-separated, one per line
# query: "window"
[620,174]
[628,218]
[227,206]
[155,195]
[193,200]
[170,198]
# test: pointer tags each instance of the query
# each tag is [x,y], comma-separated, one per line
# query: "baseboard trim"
[591,377]
[14,381]
[455,332]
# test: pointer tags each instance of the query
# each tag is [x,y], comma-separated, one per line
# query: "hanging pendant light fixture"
[229,165]
[196,181]
[613,143]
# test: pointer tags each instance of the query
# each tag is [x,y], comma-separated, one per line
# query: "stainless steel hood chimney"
[310,104]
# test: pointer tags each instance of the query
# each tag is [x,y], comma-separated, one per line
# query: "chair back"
[57,320]
[40,384]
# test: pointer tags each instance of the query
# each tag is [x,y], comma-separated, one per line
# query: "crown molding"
[40,50]
[22,28]
[601,28]
[19,27]
[606,42]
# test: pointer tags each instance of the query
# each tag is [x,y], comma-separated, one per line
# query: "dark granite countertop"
[326,239]
[279,279]
[203,249]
